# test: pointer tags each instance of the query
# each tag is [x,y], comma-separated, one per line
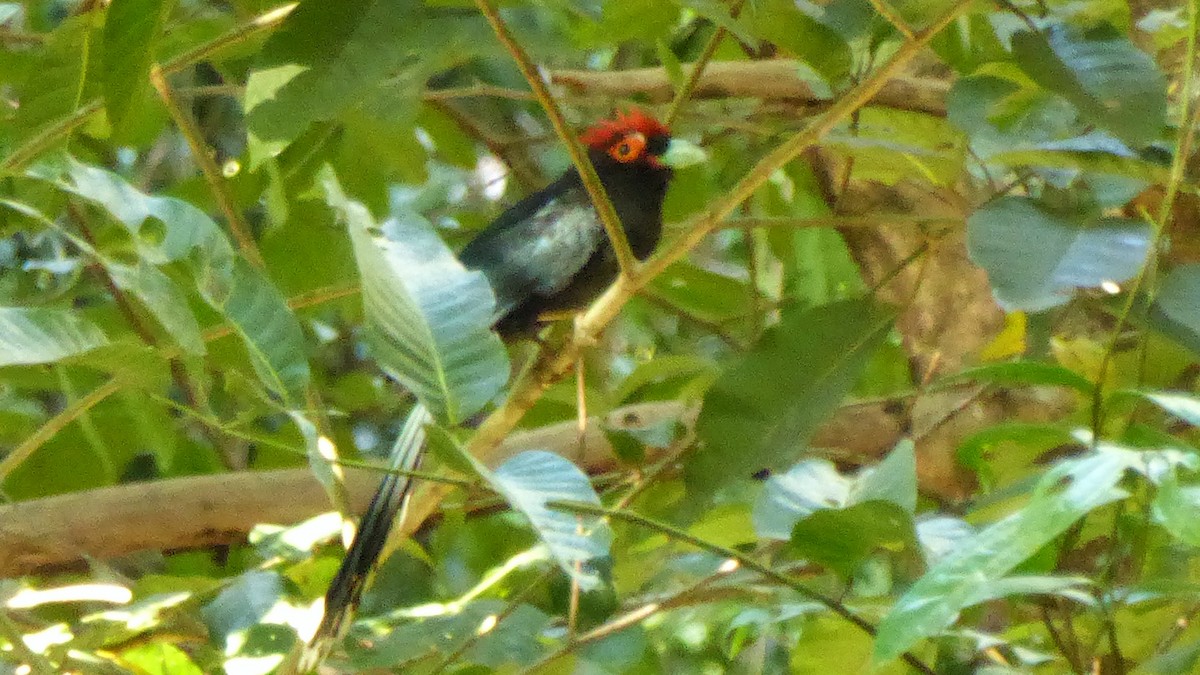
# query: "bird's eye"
[629,149]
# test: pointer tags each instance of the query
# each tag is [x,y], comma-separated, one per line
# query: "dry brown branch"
[192,512]
[766,80]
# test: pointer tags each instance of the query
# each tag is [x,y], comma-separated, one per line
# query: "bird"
[547,253]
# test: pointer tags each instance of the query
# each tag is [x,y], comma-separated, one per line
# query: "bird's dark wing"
[536,249]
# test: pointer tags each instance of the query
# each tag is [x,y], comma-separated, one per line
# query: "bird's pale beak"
[681,153]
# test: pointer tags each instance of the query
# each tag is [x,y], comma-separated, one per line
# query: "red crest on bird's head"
[606,132]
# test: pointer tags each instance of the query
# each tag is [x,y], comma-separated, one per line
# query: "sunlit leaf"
[428,318]
[534,478]
[810,485]
[30,335]
[160,658]
[167,229]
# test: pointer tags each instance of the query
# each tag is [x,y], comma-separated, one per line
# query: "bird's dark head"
[636,140]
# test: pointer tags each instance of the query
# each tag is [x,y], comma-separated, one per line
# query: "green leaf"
[892,480]
[166,229]
[1178,302]
[811,485]
[377,55]
[782,23]
[163,298]
[58,83]
[815,484]
[960,579]
[842,539]
[31,335]
[153,288]
[533,478]
[160,658]
[1183,405]
[763,410]
[1035,258]
[1177,509]
[428,318]
[515,640]
[131,32]
[1027,372]
[1111,83]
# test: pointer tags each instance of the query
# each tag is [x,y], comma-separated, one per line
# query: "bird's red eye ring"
[629,148]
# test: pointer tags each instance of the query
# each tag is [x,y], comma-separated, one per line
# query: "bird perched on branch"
[548,252]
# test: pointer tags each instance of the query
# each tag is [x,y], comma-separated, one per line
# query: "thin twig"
[893,17]
[208,167]
[56,424]
[591,182]
[872,221]
[479,90]
[713,327]
[745,561]
[685,91]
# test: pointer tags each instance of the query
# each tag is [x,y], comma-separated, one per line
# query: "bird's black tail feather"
[346,589]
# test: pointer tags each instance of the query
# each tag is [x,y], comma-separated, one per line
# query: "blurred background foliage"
[923,401]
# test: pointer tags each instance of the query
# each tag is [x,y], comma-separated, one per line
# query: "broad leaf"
[1110,82]
[815,484]
[30,335]
[894,479]
[842,539]
[1177,509]
[1176,308]
[131,31]
[762,411]
[1034,258]
[954,583]
[428,318]
[534,478]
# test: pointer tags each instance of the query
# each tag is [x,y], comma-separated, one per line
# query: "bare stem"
[591,182]
[208,166]
[685,92]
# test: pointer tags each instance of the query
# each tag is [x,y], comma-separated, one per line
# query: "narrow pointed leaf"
[428,318]
[934,602]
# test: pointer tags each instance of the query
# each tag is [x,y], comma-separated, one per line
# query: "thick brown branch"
[40,535]
[766,80]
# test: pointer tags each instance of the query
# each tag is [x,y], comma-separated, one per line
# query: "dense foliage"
[910,385]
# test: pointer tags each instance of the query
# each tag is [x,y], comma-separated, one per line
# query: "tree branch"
[772,80]
[180,513]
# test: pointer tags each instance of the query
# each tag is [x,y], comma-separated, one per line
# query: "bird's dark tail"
[346,589]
